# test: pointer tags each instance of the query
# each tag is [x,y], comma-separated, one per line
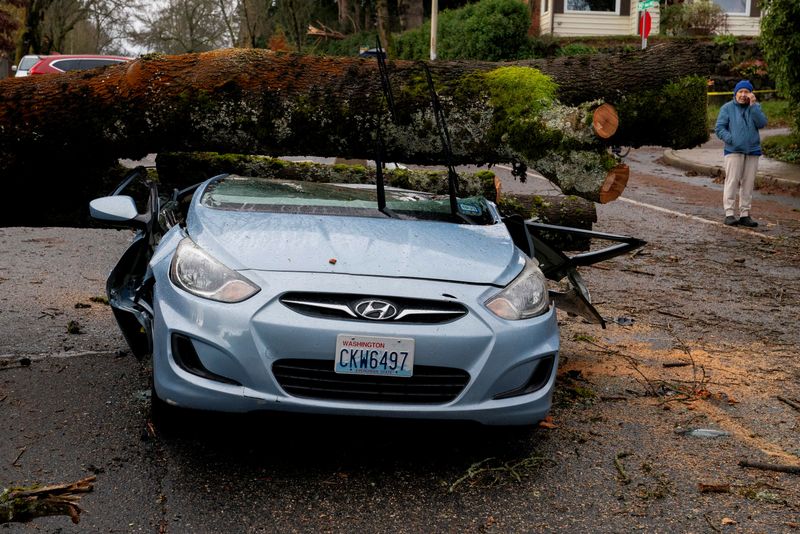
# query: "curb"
[671,158]
[674,160]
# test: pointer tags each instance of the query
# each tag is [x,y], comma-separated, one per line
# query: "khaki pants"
[740,176]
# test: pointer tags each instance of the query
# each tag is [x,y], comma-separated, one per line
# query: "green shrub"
[780,41]
[350,46]
[701,17]
[491,30]
[576,49]
[673,20]
[782,147]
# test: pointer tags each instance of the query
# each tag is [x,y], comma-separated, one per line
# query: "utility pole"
[434,26]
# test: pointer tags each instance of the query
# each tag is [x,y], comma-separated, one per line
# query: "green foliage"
[672,20]
[520,90]
[350,46]
[782,147]
[491,30]
[780,42]
[729,55]
[576,49]
[676,111]
[701,17]
[725,39]
[517,95]
[751,69]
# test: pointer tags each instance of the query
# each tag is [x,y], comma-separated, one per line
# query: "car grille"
[316,379]
[344,307]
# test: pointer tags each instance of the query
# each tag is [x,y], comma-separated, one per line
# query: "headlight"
[525,297]
[198,273]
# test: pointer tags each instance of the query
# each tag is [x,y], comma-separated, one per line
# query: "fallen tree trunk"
[182,169]
[255,101]
[179,170]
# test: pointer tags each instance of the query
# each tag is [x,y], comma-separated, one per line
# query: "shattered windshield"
[239,193]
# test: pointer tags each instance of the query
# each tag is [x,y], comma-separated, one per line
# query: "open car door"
[529,236]
[130,284]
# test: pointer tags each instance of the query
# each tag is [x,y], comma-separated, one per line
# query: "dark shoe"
[730,220]
[746,221]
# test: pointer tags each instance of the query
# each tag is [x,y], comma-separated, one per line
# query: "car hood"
[357,245]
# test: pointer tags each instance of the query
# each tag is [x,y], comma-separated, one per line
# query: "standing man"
[737,125]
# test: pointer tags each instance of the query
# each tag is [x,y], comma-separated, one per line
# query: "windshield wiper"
[452,175]
[389,97]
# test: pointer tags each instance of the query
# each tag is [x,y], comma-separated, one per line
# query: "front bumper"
[242,341]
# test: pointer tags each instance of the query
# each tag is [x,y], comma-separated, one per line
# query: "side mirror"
[118,208]
[13,68]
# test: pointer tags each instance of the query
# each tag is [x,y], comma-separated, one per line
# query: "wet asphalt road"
[80,407]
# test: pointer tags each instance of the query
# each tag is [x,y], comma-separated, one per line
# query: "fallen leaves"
[548,423]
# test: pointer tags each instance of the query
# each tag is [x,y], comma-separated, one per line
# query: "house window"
[734,7]
[545,6]
[602,6]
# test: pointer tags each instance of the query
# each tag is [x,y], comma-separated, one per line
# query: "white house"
[744,16]
[567,18]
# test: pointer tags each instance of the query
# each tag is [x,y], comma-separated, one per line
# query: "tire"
[168,420]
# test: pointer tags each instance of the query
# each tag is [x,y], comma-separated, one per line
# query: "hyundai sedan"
[284,295]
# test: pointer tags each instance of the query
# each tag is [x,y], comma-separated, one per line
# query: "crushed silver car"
[285,295]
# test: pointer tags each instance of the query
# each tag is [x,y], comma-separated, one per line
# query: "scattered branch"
[677,316]
[624,478]
[21,505]
[710,524]
[714,488]
[676,364]
[496,473]
[782,468]
[794,404]
[21,452]
[632,362]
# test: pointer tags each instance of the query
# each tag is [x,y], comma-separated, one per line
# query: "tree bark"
[382,11]
[535,10]
[411,14]
[254,101]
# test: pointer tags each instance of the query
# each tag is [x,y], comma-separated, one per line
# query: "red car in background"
[63,63]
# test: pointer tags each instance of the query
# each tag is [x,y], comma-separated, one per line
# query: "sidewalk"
[707,159]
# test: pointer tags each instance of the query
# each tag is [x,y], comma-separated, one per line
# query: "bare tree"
[10,20]
[411,13]
[78,26]
[256,22]
[294,16]
[109,24]
[60,18]
[384,28]
[231,25]
[182,26]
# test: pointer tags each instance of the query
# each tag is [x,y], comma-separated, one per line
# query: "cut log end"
[614,184]
[498,188]
[605,121]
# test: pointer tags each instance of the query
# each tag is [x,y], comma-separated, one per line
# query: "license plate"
[369,355]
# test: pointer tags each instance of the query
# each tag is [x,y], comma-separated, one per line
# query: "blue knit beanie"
[743,84]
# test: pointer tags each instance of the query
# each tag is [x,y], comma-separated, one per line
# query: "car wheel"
[166,419]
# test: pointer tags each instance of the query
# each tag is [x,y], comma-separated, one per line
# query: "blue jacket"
[738,125]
